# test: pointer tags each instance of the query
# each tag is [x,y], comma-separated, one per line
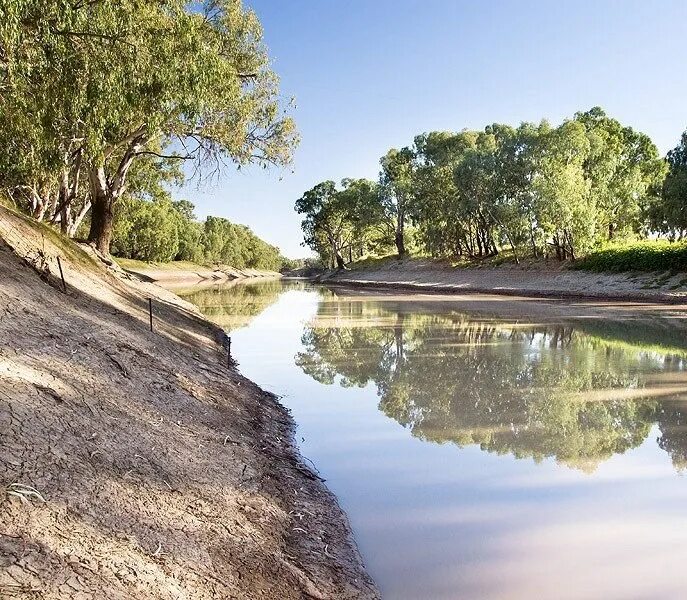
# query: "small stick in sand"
[64,285]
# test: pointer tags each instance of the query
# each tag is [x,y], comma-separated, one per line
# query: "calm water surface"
[480,452]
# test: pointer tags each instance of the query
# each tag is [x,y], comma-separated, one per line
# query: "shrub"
[656,255]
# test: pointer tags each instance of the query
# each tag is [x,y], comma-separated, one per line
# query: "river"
[482,447]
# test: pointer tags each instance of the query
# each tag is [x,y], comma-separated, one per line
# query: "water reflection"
[234,304]
[533,391]
[535,455]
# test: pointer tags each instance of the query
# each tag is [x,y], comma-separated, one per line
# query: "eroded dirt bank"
[172,274]
[137,464]
[550,282]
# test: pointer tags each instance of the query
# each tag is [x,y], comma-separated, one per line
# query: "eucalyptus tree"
[512,208]
[475,179]
[435,211]
[102,84]
[624,169]
[343,220]
[40,101]
[531,188]
[364,205]
[396,180]
[668,212]
[565,210]
[327,221]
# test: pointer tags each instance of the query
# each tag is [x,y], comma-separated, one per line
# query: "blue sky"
[368,75]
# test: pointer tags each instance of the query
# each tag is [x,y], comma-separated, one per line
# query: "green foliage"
[396,187]
[224,242]
[657,255]
[668,213]
[90,89]
[339,221]
[146,230]
[532,190]
[161,230]
[533,391]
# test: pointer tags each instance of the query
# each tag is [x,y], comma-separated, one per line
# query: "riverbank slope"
[138,464]
[539,280]
[184,272]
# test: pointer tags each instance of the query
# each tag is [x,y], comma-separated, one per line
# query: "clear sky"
[368,75]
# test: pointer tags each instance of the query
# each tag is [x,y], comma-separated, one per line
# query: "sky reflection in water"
[536,454]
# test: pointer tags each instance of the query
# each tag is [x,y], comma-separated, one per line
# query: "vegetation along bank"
[535,191]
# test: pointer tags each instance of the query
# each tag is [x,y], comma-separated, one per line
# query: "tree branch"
[175,156]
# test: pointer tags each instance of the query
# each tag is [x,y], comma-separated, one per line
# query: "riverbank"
[185,273]
[535,281]
[138,464]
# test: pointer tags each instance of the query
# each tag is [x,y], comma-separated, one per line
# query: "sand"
[139,464]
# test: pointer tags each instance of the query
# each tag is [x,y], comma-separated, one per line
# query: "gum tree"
[668,212]
[103,83]
[397,187]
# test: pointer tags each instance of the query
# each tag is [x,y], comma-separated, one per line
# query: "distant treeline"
[533,190]
[162,230]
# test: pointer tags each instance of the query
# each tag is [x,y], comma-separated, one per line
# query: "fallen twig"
[25,493]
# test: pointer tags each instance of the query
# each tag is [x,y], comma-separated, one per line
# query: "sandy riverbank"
[554,281]
[136,464]
[188,273]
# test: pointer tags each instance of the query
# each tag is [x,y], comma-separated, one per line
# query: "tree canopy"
[161,230]
[89,89]
[669,215]
[536,190]
[533,391]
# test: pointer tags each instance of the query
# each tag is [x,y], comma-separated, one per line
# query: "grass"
[656,255]
[371,261]
[65,246]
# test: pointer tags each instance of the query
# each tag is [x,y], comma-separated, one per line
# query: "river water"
[483,447]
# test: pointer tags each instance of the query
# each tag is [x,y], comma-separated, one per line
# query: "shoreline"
[159,470]
[424,276]
[515,293]
[190,273]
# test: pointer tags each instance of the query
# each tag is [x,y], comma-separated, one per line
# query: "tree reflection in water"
[234,304]
[534,391]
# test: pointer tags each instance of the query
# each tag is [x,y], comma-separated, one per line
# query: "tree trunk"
[100,234]
[71,232]
[557,245]
[400,243]
[534,245]
[106,191]
[40,202]
[337,259]
[514,249]
[64,202]
[570,246]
